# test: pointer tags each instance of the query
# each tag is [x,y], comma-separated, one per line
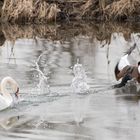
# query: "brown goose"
[126,71]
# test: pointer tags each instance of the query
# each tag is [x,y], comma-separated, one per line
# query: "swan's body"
[6,99]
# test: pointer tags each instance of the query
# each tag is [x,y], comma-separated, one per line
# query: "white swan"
[6,99]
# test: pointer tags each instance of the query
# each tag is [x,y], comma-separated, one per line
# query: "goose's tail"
[116,70]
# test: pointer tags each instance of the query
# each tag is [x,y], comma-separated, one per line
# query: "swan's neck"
[5,93]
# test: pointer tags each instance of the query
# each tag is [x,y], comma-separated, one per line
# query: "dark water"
[41,58]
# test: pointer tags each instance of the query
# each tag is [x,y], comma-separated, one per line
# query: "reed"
[123,9]
[42,11]
[111,9]
[28,11]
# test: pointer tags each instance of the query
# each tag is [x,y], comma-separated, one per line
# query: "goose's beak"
[17,93]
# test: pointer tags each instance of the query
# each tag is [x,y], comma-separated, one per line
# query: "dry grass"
[39,11]
[29,10]
[123,9]
[111,10]
[89,8]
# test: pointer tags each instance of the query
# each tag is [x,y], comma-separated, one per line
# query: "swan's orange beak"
[17,92]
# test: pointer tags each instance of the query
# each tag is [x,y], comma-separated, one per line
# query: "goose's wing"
[126,60]
[132,59]
[123,62]
[3,103]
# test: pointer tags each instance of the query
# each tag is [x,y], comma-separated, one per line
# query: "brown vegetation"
[42,11]
[101,32]
[28,11]
[123,9]
[112,9]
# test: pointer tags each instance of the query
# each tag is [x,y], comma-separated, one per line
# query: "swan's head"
[9,85]
[17,93]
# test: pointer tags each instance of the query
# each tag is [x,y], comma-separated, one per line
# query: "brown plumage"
[125,70]
[132,71]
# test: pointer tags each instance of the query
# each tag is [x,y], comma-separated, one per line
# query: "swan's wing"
[3,103]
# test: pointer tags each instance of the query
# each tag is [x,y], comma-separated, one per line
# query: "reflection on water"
[41,58]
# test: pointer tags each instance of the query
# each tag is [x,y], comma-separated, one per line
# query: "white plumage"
[6,99]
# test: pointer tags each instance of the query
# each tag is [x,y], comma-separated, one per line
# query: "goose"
[6,99]
[125,60]
[126,70]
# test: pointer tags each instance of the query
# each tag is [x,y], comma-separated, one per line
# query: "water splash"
[80,87]
[79,82]
[45,64]
[43,85]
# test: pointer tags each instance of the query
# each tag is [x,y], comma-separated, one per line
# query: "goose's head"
[8,85]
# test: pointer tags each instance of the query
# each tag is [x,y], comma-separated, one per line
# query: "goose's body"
[127,69]
[6,99]
[126,60]
[123,62]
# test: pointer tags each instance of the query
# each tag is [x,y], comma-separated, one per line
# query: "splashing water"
[43,85]
[79,82]
[45,64]
[79,86]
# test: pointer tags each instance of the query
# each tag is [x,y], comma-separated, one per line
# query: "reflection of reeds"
[12,53]
[100,31]
[13,32]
